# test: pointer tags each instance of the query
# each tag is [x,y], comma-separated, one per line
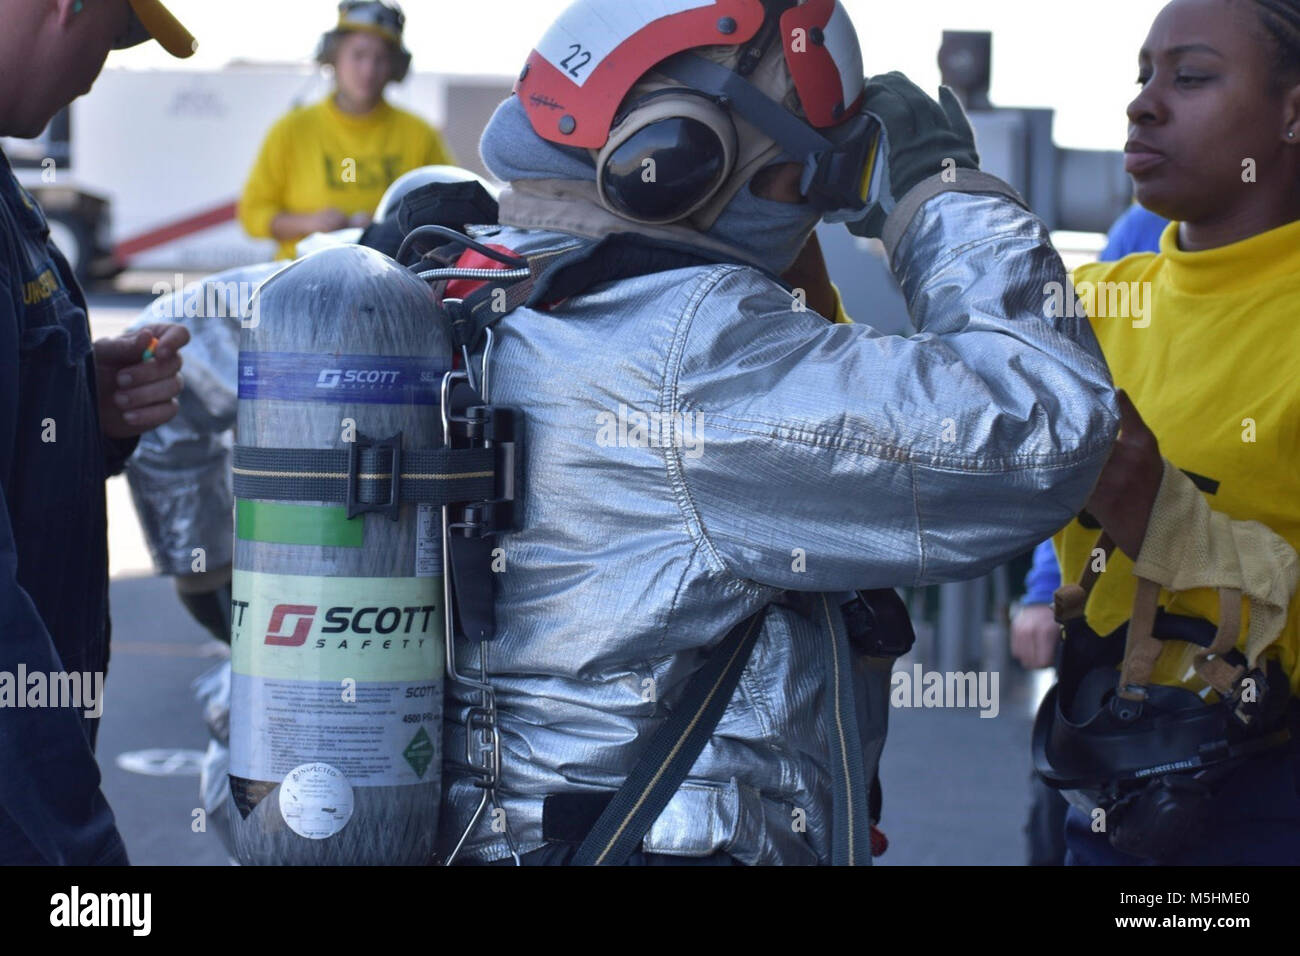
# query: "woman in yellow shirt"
[1202,498]
[325,166]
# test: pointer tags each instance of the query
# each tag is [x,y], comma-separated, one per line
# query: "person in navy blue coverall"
[70,413]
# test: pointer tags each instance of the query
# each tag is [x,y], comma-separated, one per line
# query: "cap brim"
[349,26]
[164,28]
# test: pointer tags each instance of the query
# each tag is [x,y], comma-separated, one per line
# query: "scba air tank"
[337,623]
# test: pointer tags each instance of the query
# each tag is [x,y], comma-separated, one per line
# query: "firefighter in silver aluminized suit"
[698,446]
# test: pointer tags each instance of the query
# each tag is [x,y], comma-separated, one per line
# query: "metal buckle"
[484,754]
[391,507]
[1129,709]
[496,427]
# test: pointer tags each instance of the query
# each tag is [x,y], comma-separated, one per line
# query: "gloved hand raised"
[920,138]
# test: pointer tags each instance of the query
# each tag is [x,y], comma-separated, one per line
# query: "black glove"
[921,136]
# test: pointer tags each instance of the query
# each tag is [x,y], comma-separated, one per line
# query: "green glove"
[920,138]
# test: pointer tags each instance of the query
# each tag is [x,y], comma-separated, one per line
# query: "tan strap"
[1210,663]
[1070,599]
[1141,648]
[1068,602]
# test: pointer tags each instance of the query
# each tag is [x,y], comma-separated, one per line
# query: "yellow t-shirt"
[319,157]
[1213,375]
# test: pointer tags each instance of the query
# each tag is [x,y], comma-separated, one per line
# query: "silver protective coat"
[180,473]
[831,458]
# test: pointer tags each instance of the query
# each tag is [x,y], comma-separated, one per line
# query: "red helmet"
[800,97]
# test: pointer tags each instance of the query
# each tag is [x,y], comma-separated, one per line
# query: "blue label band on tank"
[312,377]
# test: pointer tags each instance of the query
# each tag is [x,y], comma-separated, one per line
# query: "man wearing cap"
[324,167]
[70,414]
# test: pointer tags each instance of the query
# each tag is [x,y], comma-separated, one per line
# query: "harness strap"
[1140,648]
[1069,600]
[1211,664]
[671,753]
[437,476]
[573,268]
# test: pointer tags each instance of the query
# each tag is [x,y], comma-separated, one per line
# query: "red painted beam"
[172,231]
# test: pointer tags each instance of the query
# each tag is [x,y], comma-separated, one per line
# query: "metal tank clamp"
[470,421]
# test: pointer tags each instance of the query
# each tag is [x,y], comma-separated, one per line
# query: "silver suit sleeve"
[833,457]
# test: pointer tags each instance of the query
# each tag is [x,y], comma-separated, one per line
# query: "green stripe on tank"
[277,523]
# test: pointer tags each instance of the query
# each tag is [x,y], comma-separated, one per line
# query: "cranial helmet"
[681,102]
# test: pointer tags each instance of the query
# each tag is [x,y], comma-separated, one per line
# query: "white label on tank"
[584,35]
[342,671]
[428,542]
[315,800]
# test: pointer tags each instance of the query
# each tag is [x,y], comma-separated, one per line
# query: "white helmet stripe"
[585,33]
[842,45]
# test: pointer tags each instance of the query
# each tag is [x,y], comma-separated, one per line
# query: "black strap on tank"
[369,476]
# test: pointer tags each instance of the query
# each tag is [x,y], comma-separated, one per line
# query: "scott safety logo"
[306,613]
[346,619]
[356,377]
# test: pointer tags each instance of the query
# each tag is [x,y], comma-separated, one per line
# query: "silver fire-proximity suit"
[801,456]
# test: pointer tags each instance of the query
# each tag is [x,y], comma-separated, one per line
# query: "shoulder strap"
[678,743]
[671,753]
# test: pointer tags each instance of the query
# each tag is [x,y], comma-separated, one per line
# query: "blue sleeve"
[116,450]
[1044,576]
[49,781]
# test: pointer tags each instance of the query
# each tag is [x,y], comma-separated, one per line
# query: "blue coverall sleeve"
[1044,575]
[49,780]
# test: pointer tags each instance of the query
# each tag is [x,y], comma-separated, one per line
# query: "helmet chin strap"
[792,134]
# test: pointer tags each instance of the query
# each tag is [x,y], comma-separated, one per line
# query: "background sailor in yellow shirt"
[1202,498]
[324,167]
